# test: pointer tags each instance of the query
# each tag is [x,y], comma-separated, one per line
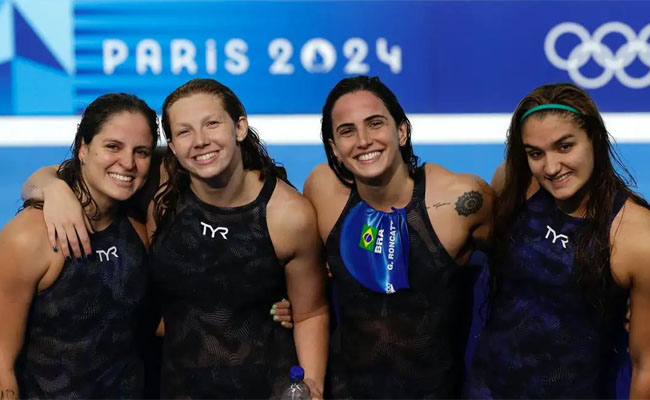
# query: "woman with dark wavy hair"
[570,243]
[396,235]
[70,326]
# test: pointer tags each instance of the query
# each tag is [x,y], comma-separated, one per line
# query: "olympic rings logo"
[613,64]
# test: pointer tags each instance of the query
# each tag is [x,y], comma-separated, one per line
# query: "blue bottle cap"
[296,373]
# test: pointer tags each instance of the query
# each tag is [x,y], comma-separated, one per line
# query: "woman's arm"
[630,266]
[67,225]
[305,275]
[66,222]
[22,265]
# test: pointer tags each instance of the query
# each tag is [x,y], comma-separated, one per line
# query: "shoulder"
[292,223]
[24,246]
[291,208]
[323,180]
[448,184]
[630,251]
[26,231]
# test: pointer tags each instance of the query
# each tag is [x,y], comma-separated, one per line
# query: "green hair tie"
[549,107]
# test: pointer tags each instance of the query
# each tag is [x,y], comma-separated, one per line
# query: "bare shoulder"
[290,208]
[291,221]
[443,184]
[630,251]
[323,185]
[24,246]
[328,195]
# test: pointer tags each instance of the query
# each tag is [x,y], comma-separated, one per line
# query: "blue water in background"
[17,163]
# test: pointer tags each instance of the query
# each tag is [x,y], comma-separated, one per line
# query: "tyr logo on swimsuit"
[106,253]
[564,239]
[213,231]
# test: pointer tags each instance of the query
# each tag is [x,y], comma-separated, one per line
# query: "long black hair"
[93,119]
[593,242]
[376,87]
[254,154]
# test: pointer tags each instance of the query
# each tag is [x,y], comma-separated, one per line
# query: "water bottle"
[298,389]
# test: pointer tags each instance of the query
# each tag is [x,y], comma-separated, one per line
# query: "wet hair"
[100,111]
[254,154]
[593,250]
[376,87]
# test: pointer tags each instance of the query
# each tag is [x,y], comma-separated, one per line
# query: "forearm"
[311,337]
[8,384]
[33,187]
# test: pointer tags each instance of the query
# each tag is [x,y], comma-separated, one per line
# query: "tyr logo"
[564,239]
[106,253]
[222,230]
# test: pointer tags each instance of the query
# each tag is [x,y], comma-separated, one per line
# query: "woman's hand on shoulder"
[67,224]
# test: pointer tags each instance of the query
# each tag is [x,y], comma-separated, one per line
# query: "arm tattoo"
[7,394]
[469,203]
[438,205]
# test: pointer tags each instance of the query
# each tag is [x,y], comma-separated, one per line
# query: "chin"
[563,194]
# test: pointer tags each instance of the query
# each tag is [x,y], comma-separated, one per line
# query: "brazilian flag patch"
[368,237]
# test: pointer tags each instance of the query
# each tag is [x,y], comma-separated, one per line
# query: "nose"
[364,138]
[127,161]
[552,165]
[200,139]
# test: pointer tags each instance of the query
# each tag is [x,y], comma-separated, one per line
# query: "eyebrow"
[348,124]
[555,143]
[208,117]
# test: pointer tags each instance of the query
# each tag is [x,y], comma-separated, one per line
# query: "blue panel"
[40,89]
[29,45]
[6,103]
[450,57]
[285,56]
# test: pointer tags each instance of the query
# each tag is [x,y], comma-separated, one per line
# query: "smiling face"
[366,138]
[116,161]
[560,156]
[204,137]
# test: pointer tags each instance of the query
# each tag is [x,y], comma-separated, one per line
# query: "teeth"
[119,177]
[368,156]
[559,178]
[206,156]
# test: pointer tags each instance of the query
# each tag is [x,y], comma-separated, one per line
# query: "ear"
[172,147]
[241,128]
[83,152]
[403,134]
[334,150]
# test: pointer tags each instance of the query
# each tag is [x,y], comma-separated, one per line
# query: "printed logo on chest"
[209,230]
[105,255]
[564,239]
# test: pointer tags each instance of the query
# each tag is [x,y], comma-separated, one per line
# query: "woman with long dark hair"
[70,327]
[569,245]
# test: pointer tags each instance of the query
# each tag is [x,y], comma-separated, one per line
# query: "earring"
[81,160]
